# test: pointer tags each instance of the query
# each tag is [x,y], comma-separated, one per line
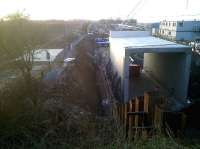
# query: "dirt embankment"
[77,83]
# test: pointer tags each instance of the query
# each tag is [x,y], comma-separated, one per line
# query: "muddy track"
[77,83]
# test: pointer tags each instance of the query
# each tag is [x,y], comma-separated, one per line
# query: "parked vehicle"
[195,44]
[102,42]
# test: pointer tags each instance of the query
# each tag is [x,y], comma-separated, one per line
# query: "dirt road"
[77,83]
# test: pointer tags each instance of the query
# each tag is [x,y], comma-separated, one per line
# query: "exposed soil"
[77,83]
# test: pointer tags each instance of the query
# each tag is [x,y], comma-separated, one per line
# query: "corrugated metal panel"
[148,42]
[121,34]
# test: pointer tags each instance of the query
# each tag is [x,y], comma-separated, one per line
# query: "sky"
[146,10]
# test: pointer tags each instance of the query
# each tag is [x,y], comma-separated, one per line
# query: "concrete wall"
[117,54]
[117,57]
[171,70]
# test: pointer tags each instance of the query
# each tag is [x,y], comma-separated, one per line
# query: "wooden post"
[118,112]
[130,119]
[125,118]
[146,109]
[122,114]
[183,121]
[114,111]
[136,110]
[125,114]
[146,102]
[158,118]
[144,133]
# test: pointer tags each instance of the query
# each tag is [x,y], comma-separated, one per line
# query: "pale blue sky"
[147,11]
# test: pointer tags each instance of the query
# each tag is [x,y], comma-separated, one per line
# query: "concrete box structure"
[180,30]
[166,65]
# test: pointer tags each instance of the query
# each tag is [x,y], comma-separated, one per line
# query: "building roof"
[146,43]
[121,34]
[41,55]
[180,21]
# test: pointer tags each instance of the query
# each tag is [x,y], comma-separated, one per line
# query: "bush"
[52,123]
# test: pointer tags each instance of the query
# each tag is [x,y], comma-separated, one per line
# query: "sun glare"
[148,10]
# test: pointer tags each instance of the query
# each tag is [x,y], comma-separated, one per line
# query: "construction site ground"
[76,84]
[73,101]
[68,112]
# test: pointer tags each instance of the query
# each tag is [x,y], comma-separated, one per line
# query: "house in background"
[180,30]
[43,57]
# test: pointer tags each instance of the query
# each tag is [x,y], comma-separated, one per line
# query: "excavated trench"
[76,85]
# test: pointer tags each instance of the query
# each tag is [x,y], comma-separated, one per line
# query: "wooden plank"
[146,102]
[144,133]
[183,121]
[158,117]
[119,114]
[140,113]
[125,115]
[125,118]
[117,111]
[122,113]
[143,127]
[136,110]
[130,119]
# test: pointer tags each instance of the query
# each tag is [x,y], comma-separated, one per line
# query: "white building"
[165,64]
[180,30]
[46,55]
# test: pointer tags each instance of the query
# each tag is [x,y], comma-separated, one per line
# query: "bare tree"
[19,39]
